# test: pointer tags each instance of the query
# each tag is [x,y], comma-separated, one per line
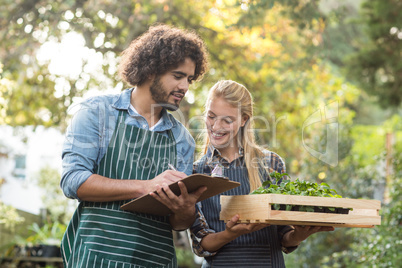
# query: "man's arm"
[102,189]
[83,145]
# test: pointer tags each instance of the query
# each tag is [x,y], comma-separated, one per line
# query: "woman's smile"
[217,135]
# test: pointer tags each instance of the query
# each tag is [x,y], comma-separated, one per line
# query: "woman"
[230,143]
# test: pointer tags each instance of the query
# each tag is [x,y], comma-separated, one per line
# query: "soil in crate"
[315,209]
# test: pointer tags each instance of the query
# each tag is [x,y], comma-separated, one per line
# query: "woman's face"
[223,123]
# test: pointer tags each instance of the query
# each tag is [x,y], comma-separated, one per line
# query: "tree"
[377,65]
[380,246]
[41,96]
[8,215]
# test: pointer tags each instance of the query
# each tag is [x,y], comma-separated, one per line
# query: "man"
[118,148]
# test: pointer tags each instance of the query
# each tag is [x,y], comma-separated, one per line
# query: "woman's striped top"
[258,249]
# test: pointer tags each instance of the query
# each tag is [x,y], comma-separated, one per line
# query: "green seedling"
[297,187]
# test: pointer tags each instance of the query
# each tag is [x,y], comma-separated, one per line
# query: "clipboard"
[215,185]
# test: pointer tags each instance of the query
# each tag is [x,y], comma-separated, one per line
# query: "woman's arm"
[214,241]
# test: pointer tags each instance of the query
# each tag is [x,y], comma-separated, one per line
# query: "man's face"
[170,88]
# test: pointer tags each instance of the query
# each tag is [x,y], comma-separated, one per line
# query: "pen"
[172,167]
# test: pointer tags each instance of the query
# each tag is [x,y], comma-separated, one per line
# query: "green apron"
[100,234]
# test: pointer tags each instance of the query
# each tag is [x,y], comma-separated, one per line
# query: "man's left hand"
[182,206]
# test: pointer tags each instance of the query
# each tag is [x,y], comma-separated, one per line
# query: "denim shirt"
[92,127]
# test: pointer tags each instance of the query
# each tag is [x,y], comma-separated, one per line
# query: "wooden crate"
[257,208]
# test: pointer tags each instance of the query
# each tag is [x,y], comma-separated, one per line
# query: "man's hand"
[182,206]
[167,177]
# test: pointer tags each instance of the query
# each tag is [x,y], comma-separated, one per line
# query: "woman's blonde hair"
[237,95]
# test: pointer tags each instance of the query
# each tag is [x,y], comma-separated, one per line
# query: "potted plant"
[44,242]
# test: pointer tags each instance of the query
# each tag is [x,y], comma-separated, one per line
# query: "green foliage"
[48,234]
[380,246]
[359,176]
[58,211]
[6,87]
[185,258]
[42,94]
[303,14]
[377,65]
[9,216]
[360,134]
[341,34]
[59,208]
[270,55]
[297,187]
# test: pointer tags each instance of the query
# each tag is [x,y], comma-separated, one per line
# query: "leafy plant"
[9,216]
[48,234]
[297,187]
[59,209]
[44,241]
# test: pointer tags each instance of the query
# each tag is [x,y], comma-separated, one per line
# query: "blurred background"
[326,76]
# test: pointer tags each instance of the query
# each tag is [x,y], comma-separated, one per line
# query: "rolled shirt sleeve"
[81,147]
[198,231]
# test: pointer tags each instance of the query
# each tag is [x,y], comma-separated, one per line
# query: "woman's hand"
[301,233]
[214,241]
[238,229]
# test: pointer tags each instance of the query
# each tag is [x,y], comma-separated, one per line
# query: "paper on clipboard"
[215,185]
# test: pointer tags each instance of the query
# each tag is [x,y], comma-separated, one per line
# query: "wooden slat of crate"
[323,201]
[303,223]
[257,208]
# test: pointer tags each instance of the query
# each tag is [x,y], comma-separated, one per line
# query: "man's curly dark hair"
[160,49]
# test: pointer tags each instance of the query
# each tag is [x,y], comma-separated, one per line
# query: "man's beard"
[160,95]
